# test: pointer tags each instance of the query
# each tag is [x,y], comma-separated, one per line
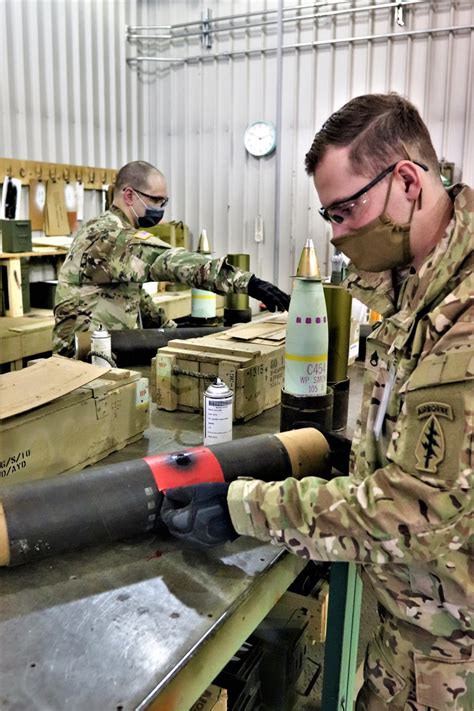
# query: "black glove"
[199,514]
[273,297]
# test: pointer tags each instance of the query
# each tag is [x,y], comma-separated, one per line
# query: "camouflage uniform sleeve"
[418,507]
[200,271]
[152,314]
[138,256]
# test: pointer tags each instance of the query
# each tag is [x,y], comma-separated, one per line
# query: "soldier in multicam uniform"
[405,512]
[101,280]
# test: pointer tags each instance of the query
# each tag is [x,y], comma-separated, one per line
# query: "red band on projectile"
[193,466]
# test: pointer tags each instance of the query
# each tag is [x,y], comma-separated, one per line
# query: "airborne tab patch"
[430,448]
[434,408]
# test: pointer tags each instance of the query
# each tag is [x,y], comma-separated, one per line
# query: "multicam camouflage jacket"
[100,282]
[405,513]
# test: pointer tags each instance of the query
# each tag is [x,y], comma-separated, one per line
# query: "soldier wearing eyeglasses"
[404,514]
[101,281]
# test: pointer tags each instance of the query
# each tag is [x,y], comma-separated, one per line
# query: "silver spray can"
[101,342]
[218,410]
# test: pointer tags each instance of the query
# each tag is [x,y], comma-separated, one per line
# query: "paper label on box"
[142,395]
[37,204]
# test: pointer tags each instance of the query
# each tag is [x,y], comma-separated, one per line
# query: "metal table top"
[109,627]
[106,627]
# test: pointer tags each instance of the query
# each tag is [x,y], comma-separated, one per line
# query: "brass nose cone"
[308,267]
[203,244]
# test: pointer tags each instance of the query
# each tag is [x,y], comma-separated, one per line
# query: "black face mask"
[152,216]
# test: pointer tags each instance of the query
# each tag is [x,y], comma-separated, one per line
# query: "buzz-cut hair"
[380,129]
[136,175]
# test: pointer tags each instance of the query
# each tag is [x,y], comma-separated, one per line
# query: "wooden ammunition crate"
[24,337]
[178,304]
[249,358]
[73,430]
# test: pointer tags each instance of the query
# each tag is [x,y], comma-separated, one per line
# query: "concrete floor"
[170,431]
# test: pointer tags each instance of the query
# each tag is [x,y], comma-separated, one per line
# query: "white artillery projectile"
[306,353]
[203,303]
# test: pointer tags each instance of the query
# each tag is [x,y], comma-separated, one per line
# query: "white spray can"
[101,342]
[218,411]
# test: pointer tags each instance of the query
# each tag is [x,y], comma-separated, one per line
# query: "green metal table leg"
[340,653]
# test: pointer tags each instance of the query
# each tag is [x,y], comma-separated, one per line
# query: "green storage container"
[15,235]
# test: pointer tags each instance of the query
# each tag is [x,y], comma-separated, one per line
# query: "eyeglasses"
[354,205]
[155,199]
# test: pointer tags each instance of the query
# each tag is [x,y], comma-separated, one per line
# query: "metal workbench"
[131,625]
[142,623]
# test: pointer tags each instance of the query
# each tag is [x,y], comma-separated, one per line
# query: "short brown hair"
[380,128]
[135,174]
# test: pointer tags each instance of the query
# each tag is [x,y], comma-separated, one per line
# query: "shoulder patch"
[430,448]
[150,239]
[142,234]
[434,408]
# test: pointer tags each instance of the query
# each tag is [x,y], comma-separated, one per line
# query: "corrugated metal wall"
[69,96]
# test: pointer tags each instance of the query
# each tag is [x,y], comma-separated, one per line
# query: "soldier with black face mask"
[101,280]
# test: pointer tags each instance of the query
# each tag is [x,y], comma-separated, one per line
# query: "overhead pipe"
[303,45]
[300,18]
[222,18]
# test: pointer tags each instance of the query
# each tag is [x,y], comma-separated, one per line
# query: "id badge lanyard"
[379,420]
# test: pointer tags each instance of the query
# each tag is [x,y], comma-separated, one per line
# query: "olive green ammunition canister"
[338,306]
[236,308]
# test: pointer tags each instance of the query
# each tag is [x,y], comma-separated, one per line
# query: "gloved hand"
[199,514]
[273,297]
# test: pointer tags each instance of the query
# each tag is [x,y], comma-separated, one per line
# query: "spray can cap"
[100,332]
[218,389]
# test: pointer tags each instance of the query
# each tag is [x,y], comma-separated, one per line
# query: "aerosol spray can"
[101,342]
[218,401]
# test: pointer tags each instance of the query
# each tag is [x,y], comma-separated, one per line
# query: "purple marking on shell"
[318,320]
[308,319]
[298,319]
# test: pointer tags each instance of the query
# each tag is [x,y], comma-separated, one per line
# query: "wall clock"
[260,138]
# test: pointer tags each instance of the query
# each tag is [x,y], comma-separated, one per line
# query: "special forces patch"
[430,448]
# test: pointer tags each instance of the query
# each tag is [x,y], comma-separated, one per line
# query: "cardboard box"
[249,358]
[58,416]
[213,699]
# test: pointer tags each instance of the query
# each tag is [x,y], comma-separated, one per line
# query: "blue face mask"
[152,216]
